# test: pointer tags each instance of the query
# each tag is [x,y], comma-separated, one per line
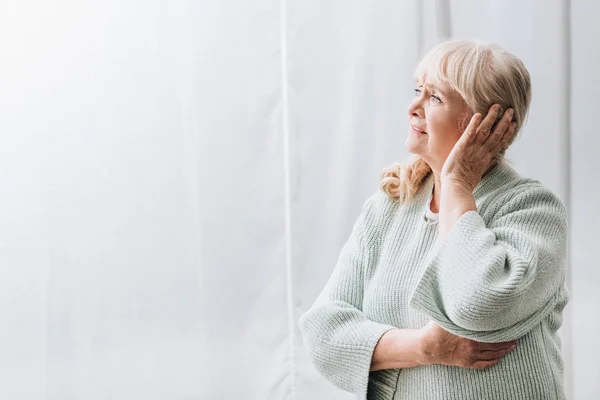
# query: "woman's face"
[437,110]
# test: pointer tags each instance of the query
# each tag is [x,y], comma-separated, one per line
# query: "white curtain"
[177,178]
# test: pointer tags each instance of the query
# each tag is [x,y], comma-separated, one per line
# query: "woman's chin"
[412,147]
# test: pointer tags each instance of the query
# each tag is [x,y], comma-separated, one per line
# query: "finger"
[496,346]
[486,125]
[481,364]
[505,121]
[500,129]
[493,354]
[471,129]
[509,133]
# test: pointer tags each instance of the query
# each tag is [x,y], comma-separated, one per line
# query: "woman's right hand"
[438,346]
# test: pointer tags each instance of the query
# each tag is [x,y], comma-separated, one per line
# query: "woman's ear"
[464,120]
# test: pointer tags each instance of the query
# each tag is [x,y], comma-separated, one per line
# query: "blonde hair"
[483,74]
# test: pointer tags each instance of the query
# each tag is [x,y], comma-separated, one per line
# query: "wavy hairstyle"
[483,74]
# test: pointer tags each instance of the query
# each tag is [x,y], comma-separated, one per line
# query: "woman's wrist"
[398,348]
[455,200]
[423,350]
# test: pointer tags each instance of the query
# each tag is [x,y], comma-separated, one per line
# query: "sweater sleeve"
[339,338]
[495,282]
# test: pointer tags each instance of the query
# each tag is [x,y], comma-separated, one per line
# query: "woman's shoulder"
[377,213]
[380,205]
[521,193]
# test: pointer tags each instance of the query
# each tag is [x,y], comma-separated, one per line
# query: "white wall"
[177,179]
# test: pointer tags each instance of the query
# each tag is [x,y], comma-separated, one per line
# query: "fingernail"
[511,112]
[496,107]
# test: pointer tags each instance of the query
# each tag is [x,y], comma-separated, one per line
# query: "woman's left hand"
[473,153]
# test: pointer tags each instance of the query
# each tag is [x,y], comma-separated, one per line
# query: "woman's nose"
[415,109]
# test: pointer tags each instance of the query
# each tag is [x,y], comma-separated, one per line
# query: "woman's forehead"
[434,84]
[441,87]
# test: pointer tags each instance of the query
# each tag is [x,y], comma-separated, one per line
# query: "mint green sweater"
[499,275]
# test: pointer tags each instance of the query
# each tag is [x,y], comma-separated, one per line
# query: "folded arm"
[495,282]
[339,338]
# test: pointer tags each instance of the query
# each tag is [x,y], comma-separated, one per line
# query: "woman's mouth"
[418,131]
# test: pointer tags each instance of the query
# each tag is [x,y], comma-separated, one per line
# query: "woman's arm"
[495,280]
[406,348]
[397,348]
[339,338]
[454,202]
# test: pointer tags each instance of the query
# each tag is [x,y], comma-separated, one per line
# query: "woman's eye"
[436,98]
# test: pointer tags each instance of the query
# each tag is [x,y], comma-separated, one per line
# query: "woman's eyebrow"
[429,84]
[435,87]
[432,86]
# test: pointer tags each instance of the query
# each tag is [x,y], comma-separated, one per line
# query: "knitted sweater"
[499,275]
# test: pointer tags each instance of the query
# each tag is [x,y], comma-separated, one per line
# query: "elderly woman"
[456,258]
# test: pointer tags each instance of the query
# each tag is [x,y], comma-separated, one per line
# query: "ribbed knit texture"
[498,276]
